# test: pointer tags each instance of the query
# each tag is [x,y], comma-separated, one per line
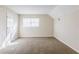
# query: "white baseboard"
[67,44]
[37,36]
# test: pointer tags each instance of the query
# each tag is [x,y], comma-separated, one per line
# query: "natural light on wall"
[10,24]
[30,22]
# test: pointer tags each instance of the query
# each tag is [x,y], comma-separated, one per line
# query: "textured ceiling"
[31,9]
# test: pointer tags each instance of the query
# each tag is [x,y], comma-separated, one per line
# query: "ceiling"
[31,9]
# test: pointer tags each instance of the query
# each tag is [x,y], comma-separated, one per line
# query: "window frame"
[31,22]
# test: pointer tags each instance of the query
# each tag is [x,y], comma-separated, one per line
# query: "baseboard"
[38,36]
[35,37]
[67,44]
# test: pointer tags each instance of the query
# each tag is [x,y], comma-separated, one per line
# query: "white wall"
[66,25]
[2,24]
[45,28]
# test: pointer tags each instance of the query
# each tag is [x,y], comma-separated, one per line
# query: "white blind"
[30,22]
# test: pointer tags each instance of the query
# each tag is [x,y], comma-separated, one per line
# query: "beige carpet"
[37,46]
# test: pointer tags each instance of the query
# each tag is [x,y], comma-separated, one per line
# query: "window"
[30,22]
[10,24]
